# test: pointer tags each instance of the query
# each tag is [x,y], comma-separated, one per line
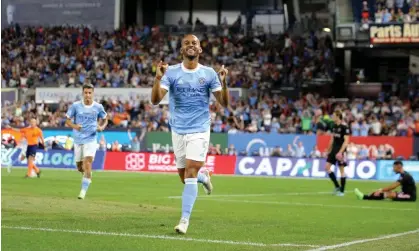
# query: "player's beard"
[188,56]
[191,57]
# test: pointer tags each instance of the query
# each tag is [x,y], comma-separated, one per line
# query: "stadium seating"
[381,11]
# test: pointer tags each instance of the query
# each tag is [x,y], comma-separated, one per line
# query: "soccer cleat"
[336,191]
[340,194]
[9,168]
[82,195]
[359,194]
[39,174]
[182,227]
[207,185]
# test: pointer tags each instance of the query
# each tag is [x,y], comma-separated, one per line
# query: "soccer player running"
[83,117]
[405,180]
[190,85]
[33,135]
[336,150]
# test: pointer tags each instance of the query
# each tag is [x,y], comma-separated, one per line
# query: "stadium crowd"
[397,11]
[71,57]
[310,114]
[128,57]
[390,11]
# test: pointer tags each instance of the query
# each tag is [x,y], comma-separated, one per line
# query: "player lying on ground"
[407,182]
[190,85]
[337,147]
[83,117]
[33,136]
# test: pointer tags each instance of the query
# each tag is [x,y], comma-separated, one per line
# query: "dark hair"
[88,86]
[398,162]
[338,114]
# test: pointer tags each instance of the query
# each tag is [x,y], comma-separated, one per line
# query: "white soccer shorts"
[192,146]
[84,150]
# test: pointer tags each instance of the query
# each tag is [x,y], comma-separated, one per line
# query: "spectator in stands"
[400,16]
[373,152]
[388,151]
[389,4]
[290,152]
[386,16]
[414,13]
[375,126]
[68,144]
[299,148]
[116,147]
[399,4]
[363,153]
[55,145]
[181,22]
[315,153]
[231,150]
[134,141]
[352,151]
[365,15]
[102,143]
[379,15]
[381,153]
[214,150]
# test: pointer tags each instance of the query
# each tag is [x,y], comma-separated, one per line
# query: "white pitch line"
[228,195]
[162,237]
[254,195]
[345,244]
[309,204]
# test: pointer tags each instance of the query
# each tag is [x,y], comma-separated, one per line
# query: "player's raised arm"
[222,95]
[161,84]
[71,113]
[14,129]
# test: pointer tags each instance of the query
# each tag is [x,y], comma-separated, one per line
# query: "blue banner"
[385,170]
[49,159]
[110,136]
[301,167]
[264,143]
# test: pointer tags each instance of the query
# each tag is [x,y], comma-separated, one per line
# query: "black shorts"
[31,150]
[404,197]
[331,158]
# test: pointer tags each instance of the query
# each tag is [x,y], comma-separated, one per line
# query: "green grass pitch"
[137,211]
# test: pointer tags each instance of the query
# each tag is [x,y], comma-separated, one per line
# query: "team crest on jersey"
[201,81]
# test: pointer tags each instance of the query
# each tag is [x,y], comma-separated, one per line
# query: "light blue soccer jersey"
[189,98]
[86,116]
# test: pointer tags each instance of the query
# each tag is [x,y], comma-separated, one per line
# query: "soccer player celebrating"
[336,150]
[83,117]
[407,182]
[32,134]
[190,85]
